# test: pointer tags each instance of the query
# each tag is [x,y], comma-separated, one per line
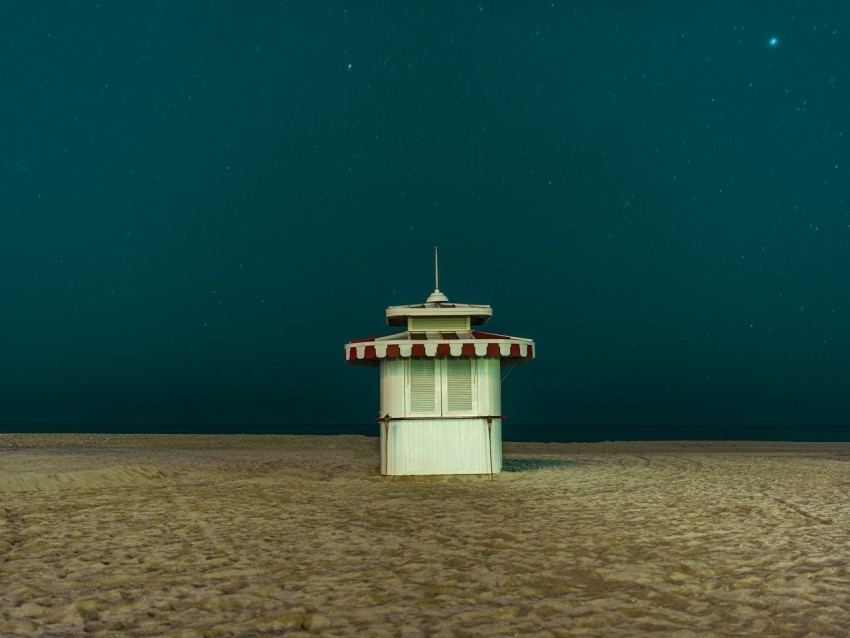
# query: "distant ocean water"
[545,433]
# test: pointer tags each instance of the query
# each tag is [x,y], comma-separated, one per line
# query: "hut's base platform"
[133,535]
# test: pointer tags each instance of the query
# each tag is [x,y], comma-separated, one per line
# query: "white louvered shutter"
[458,386]
[423,389]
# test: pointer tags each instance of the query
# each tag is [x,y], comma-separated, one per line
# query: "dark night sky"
[202,201]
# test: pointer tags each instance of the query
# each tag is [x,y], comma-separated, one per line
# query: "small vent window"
[438,323]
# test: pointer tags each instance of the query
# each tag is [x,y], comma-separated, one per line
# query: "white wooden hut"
[441,403]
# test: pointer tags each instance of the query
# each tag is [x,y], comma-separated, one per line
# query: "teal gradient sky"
[202,201]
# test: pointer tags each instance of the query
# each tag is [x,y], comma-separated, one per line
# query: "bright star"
[773,41]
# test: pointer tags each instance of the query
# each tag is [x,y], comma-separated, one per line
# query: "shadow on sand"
[531,465]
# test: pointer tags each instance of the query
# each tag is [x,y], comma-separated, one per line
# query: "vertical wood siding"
[444,446]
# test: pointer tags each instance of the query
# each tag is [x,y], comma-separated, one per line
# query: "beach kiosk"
[441,402]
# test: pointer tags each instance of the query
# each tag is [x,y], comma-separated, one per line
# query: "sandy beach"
[147,535]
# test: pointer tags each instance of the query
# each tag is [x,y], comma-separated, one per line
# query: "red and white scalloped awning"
[438,344]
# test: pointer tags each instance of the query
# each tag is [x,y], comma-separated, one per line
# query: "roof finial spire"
[436,269]
[436,296]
